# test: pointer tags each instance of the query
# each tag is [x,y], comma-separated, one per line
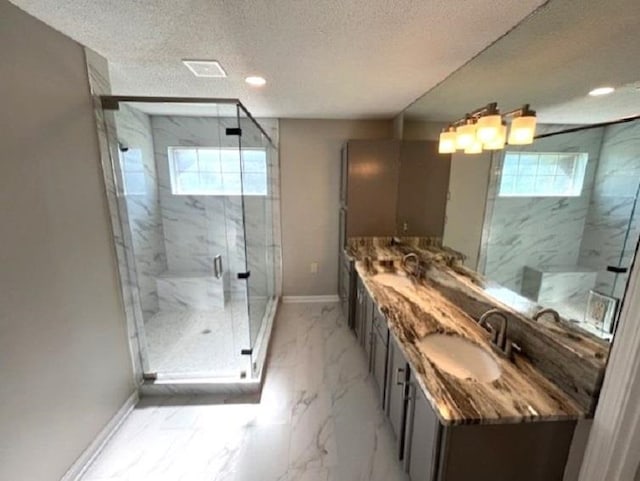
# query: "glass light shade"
[498,142]
[488,127]
[474,148]
[522,131]
[465,136]
[447,143]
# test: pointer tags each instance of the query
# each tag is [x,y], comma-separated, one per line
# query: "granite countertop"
[591,348]
[520,394]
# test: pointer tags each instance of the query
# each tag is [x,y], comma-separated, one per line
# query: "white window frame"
[579,172]
[173,172]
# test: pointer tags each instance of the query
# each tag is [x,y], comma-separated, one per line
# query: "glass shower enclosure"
[193,180]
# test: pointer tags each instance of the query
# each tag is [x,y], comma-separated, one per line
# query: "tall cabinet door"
[372,187]
[344,174]
[422,192]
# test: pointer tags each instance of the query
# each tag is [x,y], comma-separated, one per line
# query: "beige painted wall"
[64,361]
[310,176]
[420,130]
[468,184]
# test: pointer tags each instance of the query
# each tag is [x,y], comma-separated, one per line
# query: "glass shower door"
[256,156]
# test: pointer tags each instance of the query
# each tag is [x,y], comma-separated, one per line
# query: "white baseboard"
[299,299]
[81,464]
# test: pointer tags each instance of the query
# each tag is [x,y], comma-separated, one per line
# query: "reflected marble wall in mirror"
[554,222]
[561,223]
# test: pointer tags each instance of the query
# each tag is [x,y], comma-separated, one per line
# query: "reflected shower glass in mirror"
[561,222]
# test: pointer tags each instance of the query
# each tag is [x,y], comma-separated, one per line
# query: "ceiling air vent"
[205,68]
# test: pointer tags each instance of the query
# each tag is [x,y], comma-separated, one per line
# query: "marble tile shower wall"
[134,131]
[612,203]
[99,81]
[197,228]
[513,235]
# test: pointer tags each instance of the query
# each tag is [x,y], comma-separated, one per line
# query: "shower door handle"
[617,269]
[217,266]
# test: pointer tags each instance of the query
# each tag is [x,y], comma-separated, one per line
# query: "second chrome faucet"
[499,336]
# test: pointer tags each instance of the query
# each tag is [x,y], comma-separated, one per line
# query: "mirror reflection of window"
[543,174]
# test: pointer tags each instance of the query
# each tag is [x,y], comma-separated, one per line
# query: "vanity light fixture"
[255,81]
[523,127]
[466,134]
[486,129]
[597,92]
[474,148]
[447,144]
[499,140]
[489,124]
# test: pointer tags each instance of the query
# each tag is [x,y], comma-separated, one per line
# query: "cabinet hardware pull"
[399,371]
[410,392]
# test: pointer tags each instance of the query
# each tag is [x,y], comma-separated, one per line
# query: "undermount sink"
[459,357]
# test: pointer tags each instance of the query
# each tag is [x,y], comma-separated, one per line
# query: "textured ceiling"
[331,59]
[551,60]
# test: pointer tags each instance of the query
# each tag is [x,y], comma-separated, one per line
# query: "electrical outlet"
[314,268]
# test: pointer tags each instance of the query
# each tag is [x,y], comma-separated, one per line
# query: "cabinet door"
[379,364]
[342,228]
[344,174]
[373,169]
[359,310]
[397,371]
[379,354]
[422,436]
[367,331]
[344,285]
[351,292]
[422,188]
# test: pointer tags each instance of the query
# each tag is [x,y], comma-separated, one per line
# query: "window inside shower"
[217,171]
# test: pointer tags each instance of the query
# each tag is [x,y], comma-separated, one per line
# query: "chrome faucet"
[416,262]
[542,312]
[499,338]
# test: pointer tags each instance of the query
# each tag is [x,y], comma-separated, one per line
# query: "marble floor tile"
[318,419]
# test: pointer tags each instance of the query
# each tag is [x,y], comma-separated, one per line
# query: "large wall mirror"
[555,222]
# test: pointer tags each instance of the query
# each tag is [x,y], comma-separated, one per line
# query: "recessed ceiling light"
[205,68]
[601,91]
[255,81]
